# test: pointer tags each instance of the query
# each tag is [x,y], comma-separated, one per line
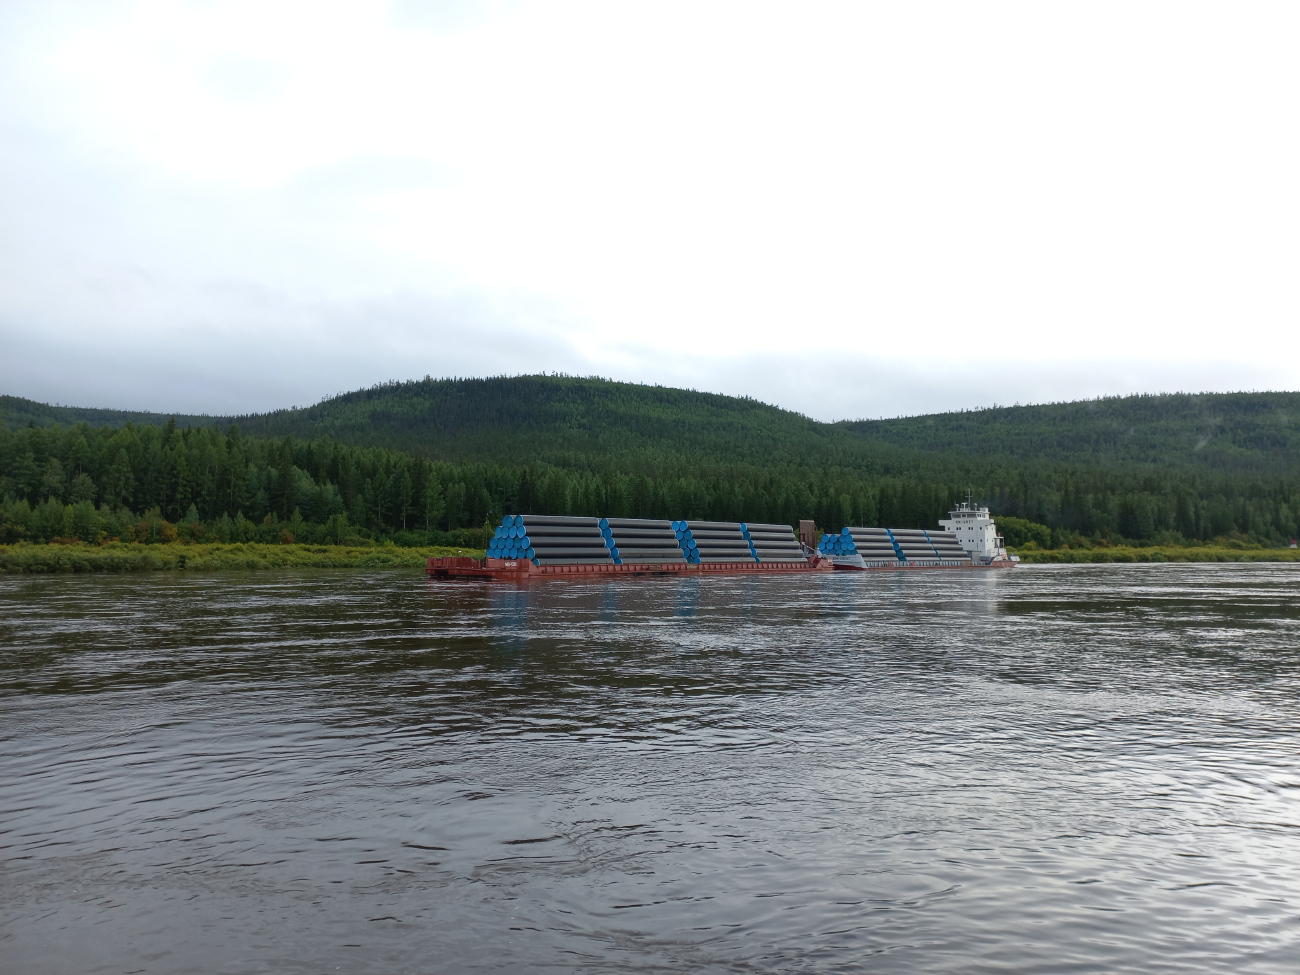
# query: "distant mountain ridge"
[587,423]
[1224,431]
[16,412]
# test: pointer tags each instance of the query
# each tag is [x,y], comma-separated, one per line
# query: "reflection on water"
[1087,768]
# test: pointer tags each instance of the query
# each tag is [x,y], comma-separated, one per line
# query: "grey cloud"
[254,351]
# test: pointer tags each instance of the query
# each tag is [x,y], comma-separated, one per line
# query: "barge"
[535,547]
[968,539]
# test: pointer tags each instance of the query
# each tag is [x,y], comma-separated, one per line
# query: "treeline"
[157,484]
[1236,433]
[160,483]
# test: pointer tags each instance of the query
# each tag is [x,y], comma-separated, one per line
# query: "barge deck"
[523,570]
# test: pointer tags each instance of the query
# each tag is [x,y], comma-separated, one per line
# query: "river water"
[1056,769]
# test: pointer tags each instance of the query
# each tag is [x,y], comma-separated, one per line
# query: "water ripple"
[1059,769]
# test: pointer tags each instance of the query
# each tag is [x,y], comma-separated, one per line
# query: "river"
[1053,769]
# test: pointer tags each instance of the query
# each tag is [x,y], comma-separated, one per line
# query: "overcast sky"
[845,209]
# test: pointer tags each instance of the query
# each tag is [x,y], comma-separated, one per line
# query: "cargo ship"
[968,539]
[527,547]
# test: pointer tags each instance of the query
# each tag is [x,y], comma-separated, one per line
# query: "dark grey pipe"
[550,541]
[530,520]
[569,554]
[576,531]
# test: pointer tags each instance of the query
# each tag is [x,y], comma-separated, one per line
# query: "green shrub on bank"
[1200,553]
[1020,531]
[136,557]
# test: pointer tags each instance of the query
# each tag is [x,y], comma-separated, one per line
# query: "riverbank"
[134,557]
[1204,553]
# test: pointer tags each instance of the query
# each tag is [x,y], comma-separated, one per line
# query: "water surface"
[1056,769]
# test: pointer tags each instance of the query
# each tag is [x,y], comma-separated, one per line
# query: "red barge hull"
[521,570]
[918,566]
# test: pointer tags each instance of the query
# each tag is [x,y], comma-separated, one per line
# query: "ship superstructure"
[976,533]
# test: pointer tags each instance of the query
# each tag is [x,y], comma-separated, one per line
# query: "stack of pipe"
[837,543]
[507,542]
[641,540]
[914,545]
[713,541]
[875,545]
[945,543]
[882,545]
[551,540]
[772,543]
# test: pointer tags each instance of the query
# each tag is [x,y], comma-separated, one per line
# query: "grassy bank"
[132,557]
[1206,553]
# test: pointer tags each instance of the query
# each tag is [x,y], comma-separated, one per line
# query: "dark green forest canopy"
[1234,432]
[594,425]
[16,412]
[88,482]
[446,455]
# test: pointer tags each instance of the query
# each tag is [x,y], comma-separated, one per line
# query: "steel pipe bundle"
[556,540]
[641,540]
[884,545]
[875,545]
[914,544]
[550,540]
[713,541]
[837,543]
[946,545]
[772,543]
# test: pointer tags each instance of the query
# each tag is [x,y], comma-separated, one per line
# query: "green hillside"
[450,454]
[1237,432]
[563,421]
[16,412]
[587,424]
[594,424]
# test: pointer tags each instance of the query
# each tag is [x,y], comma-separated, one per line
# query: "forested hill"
[583,424]
[457,453]
[1236,432]
[561,421]
[16,412]
[594,424]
